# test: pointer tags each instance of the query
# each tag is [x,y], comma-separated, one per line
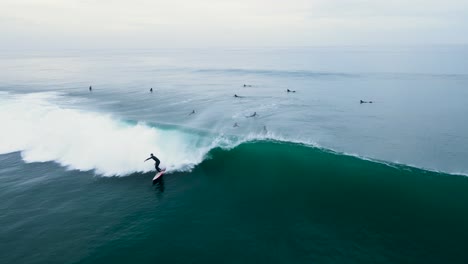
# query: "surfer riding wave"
[156,160]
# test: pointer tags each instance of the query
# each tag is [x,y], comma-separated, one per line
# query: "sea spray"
[82,140]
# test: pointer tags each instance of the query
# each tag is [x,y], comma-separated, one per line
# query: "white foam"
[44,131]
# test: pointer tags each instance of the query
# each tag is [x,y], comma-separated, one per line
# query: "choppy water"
[316,176]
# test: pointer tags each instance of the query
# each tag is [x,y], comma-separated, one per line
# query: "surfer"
[237,96]
[151,90]
[252,115]
[193,112]
[289,91]
[235,125]
[364,102]
[90,88]
[156,160]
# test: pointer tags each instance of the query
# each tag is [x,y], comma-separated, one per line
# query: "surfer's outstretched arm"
[147,158]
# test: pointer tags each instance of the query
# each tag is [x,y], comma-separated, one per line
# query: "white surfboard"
[158,175]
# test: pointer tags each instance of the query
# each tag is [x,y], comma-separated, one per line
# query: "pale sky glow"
[189,23]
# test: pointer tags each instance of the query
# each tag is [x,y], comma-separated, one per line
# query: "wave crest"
[43,131]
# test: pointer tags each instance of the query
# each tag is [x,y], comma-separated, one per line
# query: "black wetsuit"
[156,165]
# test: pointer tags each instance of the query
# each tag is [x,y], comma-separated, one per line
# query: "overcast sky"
[236,23]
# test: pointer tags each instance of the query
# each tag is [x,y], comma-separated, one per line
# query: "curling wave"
[43,130]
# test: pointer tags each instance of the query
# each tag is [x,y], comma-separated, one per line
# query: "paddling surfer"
[252,115]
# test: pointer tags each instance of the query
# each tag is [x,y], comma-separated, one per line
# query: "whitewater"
[82,140]
[49,126]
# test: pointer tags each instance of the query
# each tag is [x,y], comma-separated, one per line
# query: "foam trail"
[44,131]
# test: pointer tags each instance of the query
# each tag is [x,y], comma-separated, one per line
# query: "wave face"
[45,131]
[351,205]
[280,159]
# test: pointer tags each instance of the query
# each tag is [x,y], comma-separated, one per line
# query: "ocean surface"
[314,177]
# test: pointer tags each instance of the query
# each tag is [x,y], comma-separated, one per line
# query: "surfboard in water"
[158,176]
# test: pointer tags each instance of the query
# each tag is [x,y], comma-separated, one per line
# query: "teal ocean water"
[314,177]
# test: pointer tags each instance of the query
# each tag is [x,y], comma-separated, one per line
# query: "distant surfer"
[247,85]
[237,96]
[365,102]
[156,160]
[151,90]
[290,91]
[90,88]
[252,115]
[235,125]
[193,112]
